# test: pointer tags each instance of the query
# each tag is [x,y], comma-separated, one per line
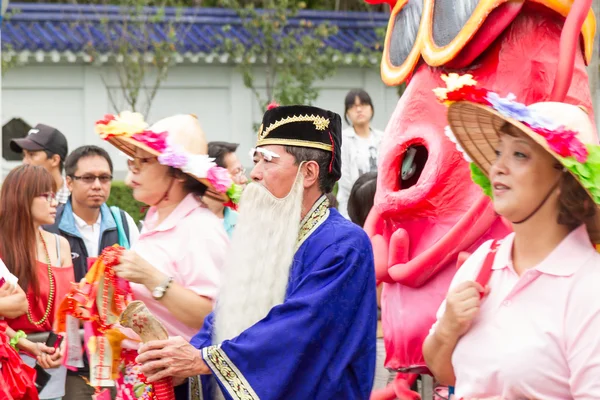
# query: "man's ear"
[69,181]
[55,160]
[311,174]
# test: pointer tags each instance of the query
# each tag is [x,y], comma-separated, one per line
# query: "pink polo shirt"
[537,336]
[189,245]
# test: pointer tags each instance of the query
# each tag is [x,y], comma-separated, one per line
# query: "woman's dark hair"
[191,185]
[362,197]
[17,231]
[363,98]
[575,206]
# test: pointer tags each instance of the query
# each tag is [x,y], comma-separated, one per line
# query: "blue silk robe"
[320,342]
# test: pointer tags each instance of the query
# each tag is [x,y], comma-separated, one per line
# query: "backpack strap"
[125,225]
[123,239]
[486,269]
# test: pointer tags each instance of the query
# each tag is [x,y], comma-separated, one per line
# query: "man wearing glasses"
[225,157]
[89,225]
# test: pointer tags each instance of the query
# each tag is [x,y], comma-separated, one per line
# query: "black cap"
[42,137]
[304,126]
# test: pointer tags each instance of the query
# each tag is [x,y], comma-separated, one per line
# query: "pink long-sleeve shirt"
[537,335]
[189,246]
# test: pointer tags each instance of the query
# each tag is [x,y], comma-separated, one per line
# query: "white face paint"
[267,154]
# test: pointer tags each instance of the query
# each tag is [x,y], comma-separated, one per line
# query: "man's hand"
[174,357]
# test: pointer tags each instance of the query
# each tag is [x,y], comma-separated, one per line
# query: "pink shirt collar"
[573,252]
[183,209]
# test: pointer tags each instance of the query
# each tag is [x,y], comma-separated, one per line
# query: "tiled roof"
[62,28]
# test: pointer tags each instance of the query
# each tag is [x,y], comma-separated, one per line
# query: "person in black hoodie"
[89,226]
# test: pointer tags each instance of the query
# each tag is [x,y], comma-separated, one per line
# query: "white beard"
[262,249]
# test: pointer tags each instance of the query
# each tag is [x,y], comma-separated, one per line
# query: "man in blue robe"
[296,317]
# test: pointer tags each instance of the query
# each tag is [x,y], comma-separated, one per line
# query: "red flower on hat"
[106,120]
[156,141]
[272,105]
[469,93]
[564,142]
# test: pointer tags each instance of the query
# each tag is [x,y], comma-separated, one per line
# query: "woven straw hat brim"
[129,146]
[476,128]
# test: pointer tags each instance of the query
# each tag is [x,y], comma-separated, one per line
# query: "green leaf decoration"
[588,173]
[234,193]
[480,179]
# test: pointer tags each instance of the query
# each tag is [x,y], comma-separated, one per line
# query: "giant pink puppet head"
[427,210]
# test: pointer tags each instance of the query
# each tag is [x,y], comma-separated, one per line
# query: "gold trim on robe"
[315,217]
[227,373]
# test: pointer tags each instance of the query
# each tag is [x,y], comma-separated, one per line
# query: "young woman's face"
[522,176]
[43,208]
[360,113]
[148,179]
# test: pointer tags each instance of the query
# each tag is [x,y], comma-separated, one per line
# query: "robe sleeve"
[305,347]
[204,337]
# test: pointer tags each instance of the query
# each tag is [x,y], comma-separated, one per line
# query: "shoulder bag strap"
[486,269]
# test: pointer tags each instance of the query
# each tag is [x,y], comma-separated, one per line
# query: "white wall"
[72,97]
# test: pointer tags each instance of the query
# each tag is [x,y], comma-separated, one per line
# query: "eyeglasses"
[90,179]
[50,197]
[239,172]
[135,164]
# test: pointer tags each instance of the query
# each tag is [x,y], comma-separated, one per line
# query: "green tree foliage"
[140,63]
[122,196]
[7,61]
[290,54]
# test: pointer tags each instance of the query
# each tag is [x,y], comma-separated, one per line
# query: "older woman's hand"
[137,270]
[174,357]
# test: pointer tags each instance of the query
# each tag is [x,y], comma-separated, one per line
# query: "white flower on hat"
[450,135]
[198,165]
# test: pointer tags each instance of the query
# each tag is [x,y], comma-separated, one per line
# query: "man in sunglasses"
[90,226]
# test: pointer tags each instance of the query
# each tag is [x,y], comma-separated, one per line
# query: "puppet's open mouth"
[413,163]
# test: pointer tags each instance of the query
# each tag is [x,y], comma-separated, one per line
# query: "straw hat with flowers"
[476,115]
[177,142]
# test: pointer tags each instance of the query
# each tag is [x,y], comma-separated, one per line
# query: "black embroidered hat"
[304,126]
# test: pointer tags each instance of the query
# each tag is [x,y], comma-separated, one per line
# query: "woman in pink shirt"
[174,267]
[532,331]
